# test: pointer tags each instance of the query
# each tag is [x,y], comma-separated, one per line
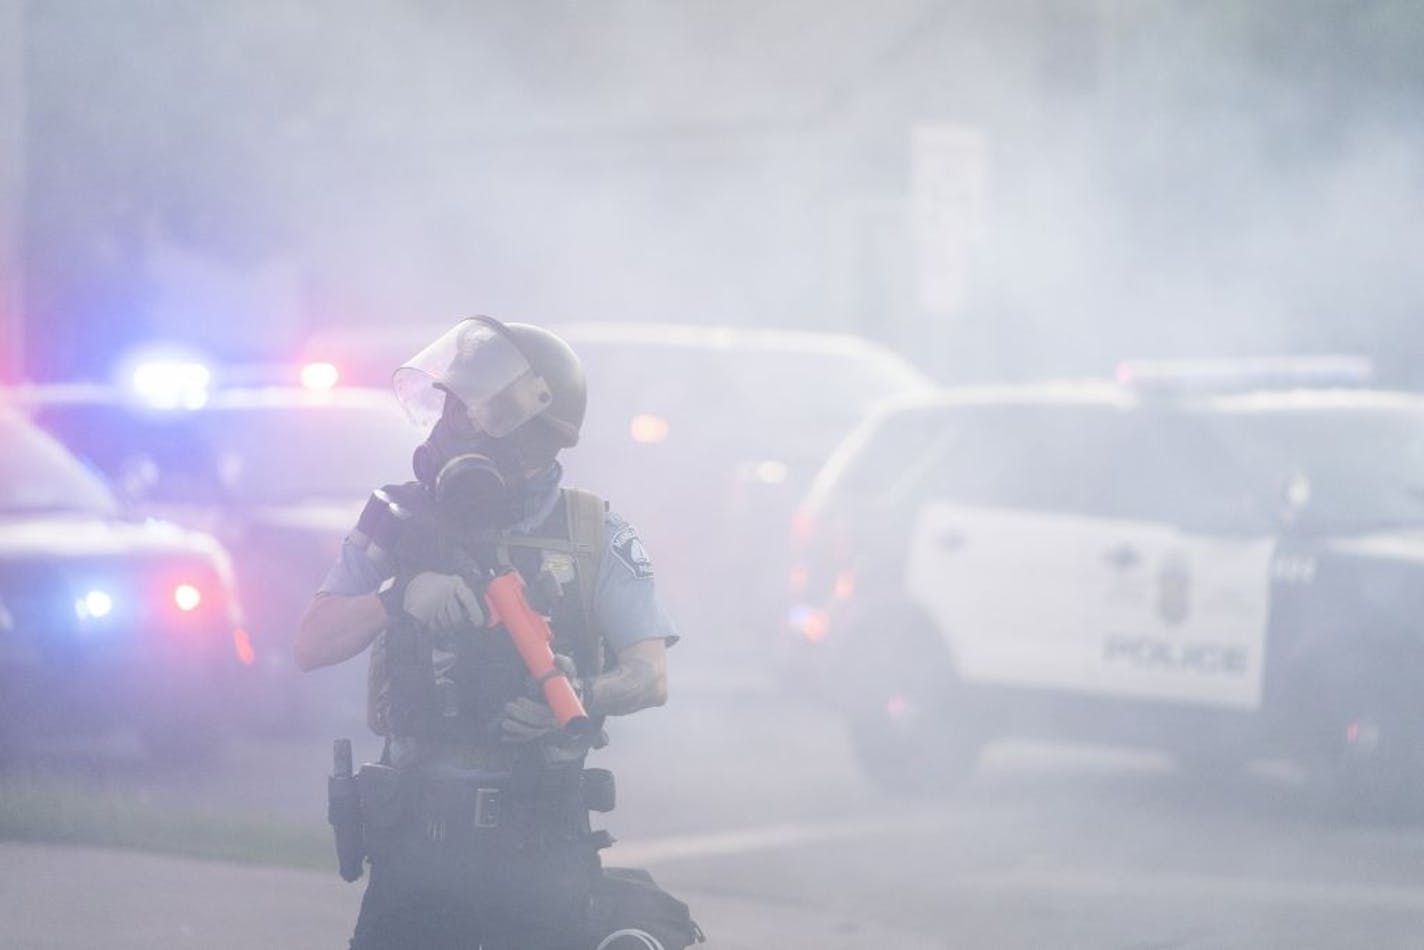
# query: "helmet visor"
[478,362]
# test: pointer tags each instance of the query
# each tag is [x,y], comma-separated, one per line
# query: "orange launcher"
[504,595]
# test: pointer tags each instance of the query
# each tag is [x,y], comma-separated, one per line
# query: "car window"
[149,455]
[1364,468]
[1027,457]
[1151,465]
[884,452]
[250,455]
[281,455]
[38,475]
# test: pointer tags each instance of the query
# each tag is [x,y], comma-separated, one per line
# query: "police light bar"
[1236,375]
[320,376]
[171,385]
[96,604]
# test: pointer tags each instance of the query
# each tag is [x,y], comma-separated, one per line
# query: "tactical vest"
[454,689]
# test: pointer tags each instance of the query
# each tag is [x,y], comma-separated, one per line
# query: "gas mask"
[478,481]
[492,416]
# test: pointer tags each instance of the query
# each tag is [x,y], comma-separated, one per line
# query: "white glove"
[527,719]
[442,602]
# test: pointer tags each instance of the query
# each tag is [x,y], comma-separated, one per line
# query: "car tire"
[909,721]
[1362,754]
[929,758]
[1369,770]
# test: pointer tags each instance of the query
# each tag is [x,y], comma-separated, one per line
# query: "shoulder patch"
[628,548]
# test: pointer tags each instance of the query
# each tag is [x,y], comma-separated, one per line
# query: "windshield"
[1364,468]
[276,456]
[246,455]
[37,475]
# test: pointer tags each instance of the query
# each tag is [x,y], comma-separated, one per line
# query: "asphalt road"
[752,806]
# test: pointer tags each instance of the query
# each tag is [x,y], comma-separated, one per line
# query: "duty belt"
[449,802]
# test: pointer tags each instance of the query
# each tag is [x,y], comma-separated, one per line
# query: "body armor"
[451,691]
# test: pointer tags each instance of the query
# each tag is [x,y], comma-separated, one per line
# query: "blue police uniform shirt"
[625,604]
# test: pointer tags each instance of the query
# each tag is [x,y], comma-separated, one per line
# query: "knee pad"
[631,939]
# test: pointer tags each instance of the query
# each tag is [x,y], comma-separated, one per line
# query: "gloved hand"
[442,602]
[527,719]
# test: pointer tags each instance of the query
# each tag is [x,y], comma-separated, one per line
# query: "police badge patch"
[628,548]
[1174,590]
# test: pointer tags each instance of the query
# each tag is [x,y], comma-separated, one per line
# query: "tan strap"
[587,514]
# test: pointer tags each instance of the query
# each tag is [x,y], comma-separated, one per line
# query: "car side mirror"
[1294,496]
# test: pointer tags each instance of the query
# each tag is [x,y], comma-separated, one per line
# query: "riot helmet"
[504,399]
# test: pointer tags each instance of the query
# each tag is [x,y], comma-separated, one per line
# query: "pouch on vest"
[385,805]
[410,675]
[400,690]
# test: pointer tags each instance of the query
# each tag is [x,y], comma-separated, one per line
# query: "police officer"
[476,822]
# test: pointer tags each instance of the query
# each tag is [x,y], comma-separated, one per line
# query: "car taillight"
[189,594]
[820,573]
[803,533]
[819,559]
[809,622]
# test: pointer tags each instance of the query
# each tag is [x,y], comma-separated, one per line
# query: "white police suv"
[1225,560]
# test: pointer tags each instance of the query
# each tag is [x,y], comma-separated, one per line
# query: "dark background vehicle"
[107,622]
[277,474]
[708,436]
[1223,576]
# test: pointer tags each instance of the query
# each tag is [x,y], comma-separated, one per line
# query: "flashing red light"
[800,577]
[187,597]
[242,646]
[845,585]
[320,376]
[816,625]
[896,707]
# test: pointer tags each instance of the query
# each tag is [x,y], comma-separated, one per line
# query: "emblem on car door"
[1174,590]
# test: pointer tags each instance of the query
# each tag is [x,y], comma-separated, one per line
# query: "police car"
[276,473]
[106,622]
[1222,560]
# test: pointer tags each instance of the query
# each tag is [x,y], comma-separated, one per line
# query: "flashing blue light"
[172,385]
[94,605]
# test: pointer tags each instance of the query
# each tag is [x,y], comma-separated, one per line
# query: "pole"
[12,187]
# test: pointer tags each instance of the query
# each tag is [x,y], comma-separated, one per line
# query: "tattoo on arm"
[634,684]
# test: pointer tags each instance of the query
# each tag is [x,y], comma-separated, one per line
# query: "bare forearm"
[637,682]
[337,627]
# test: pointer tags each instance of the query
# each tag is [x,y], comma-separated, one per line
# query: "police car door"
[1179,586]
[999,557]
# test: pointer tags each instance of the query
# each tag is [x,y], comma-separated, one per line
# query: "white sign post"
[12,184]
[949,171]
